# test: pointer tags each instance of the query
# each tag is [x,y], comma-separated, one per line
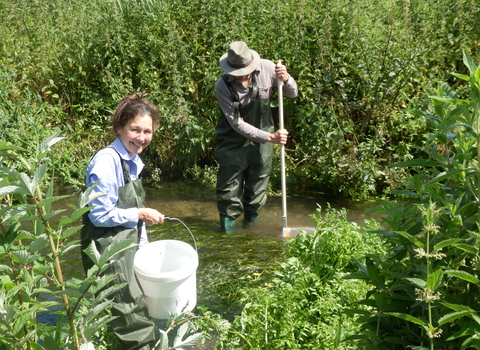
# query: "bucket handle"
[180,221]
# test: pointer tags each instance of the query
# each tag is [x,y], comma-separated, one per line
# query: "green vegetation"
[424,291]
[66,64]
[361,127]
[31,249]
[303,306]
[34,249]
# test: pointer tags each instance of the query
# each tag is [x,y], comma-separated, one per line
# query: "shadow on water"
[248,257]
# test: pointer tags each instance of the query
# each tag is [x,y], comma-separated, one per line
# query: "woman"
[120,214]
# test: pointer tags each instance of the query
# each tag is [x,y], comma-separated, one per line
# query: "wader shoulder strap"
[125,167]
[235,99]
[234,95]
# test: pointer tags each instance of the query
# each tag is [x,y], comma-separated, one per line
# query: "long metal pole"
[282,160]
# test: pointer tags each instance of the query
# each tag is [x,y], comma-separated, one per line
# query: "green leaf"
[109,291]
[463,275]
[434,279]
[411,238]
[97,310]
[447,99]
[461,76]
[407,317]
[71,231]
[445,243]
[190,341]
[23,318]
[457,307]
[78,213]
[27,184]
[445,175]
[88,195]
[453,316]
[35,346]
[361,266]
[24,257]
[68,248]
[466,247]
[374,274]
[39,174]
[181,331]
[11,189]
[418,282]
[38,244]
[46,144]
[92,252]
[52,214]
[7,146]
[163,340]
[45,202]
[468,61]
[114,248]
[419,162]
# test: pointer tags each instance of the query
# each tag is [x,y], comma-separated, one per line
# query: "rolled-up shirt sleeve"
[106,168]
[290,88]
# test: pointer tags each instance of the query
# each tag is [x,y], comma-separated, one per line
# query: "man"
[245,132]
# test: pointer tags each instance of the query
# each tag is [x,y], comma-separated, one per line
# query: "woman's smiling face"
[137,135]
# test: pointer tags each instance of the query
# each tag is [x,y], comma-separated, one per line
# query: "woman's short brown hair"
[131,106]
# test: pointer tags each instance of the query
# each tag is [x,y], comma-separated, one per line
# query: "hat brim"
[240,71]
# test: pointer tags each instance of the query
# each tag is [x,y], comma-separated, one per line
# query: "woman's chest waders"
[245,165]
[133,326]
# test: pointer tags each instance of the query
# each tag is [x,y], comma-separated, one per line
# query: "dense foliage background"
[364,70]
[358,64]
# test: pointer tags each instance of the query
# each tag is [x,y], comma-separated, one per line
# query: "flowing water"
[199,204]
[228,262]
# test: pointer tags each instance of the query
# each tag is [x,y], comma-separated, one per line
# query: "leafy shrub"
[425,290]
[34,249]
[303,307]
[357,65]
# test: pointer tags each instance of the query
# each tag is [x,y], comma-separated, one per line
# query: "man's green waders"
[133,326]
[245,166]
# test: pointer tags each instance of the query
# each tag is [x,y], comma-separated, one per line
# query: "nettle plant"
[35,240]
[31,251]
[425,292]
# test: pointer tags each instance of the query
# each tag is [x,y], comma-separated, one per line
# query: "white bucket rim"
[172,275]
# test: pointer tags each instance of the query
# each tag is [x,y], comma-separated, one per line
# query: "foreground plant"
[425,292]
[302,306]
[33,242]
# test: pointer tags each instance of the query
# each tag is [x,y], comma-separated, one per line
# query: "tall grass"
[358,64]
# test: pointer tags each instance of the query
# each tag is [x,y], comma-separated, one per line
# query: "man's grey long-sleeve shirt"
[266,80]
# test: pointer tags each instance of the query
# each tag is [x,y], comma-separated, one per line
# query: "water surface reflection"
[224,260]
[199,204]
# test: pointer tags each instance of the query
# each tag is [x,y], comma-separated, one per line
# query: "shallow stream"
[227,263]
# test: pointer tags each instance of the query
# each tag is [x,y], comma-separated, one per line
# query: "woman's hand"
[150,216]
[279,137]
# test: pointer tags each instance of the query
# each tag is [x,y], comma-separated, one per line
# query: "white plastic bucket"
[166,271]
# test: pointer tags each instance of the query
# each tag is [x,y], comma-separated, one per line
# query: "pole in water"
[282,158]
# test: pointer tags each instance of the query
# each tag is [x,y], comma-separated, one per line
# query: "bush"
[424,292]
[304,305]
[358,65]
